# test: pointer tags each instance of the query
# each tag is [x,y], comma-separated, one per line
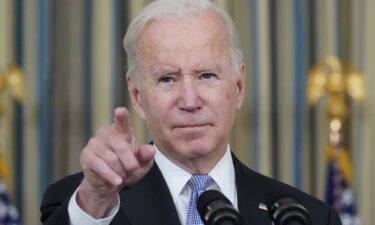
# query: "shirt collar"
[224,176]
[176,177]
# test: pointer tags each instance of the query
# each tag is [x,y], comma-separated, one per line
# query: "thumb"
[146,154]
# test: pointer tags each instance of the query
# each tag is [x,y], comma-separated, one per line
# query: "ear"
[133,89]
[241,87]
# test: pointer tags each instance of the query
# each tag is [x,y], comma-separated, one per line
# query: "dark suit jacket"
[149,202]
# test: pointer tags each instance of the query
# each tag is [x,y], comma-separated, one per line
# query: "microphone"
[215,209]
[287,211]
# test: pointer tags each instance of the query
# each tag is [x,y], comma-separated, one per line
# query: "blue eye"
[207,75]
[166,79]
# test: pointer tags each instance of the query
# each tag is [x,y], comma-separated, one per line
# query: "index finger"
[122,120]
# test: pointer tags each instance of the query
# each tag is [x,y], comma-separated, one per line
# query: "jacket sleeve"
[54,207]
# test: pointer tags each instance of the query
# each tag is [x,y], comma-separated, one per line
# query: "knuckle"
[92,141]
[86,167]
[102,131]
[85,154]
[110,157]
[121,146]
[86,160]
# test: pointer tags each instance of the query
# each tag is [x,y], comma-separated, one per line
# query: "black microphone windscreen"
[286,210]
[215,209]
[208,197]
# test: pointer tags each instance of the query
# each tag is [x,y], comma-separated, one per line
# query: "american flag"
[339,194]
[8,213]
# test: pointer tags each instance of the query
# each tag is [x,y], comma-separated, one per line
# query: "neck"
[201,164]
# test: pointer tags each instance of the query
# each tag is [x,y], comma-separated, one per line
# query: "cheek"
[229,98]
[227,105]
[155,106]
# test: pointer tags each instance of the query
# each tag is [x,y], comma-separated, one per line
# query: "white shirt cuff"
[79,217]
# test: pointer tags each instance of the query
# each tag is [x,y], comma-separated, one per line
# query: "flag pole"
[329,78]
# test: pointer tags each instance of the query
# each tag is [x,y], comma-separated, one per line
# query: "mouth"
[194,125]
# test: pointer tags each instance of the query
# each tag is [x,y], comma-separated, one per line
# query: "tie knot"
[199,182]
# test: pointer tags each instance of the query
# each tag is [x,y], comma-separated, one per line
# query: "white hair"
[173,10]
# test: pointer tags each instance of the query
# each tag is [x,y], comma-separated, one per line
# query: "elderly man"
[186,81]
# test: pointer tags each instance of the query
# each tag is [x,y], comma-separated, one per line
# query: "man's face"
[188,93]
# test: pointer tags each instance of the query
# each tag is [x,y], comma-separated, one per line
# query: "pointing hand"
[111,160]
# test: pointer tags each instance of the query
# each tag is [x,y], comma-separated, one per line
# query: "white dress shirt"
[176,178]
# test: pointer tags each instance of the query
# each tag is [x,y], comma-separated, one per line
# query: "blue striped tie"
[198,184]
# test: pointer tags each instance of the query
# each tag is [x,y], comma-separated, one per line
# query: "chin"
[194,149]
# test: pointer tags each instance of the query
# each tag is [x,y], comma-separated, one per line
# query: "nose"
[189,96]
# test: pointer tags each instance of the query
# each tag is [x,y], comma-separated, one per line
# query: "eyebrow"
[162,72]
[215,68]
[199,69]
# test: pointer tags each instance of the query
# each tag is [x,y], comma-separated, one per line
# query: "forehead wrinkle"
[215,35]
[167,55]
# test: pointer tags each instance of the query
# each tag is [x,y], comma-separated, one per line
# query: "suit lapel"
[249,196]
[149,201]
